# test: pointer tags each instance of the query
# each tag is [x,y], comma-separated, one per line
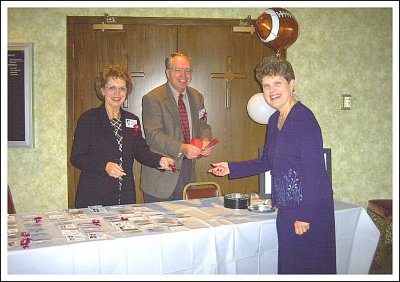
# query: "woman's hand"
[301,227]
[166,163]
[114,170]
[220,169]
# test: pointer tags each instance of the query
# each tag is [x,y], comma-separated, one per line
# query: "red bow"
[96,222]
[38,219]
[26,240]
[204,117]
[173,167]
[135,130]
[25,234]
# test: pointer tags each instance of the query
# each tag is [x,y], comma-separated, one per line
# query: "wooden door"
[142,46]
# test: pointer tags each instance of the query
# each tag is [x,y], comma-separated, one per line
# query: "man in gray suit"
[164,134]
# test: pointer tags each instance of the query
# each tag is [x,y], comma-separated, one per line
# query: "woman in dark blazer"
[107,140]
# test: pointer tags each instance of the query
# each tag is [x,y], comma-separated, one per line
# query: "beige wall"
[339,51]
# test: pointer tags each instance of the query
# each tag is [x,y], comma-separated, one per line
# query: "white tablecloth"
[217,241]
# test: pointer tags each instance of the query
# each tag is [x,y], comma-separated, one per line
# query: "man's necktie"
[184,119]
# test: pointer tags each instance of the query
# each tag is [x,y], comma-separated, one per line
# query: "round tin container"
[236,201]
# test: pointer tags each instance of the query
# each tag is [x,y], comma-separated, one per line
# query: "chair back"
[198,190]
[10,202]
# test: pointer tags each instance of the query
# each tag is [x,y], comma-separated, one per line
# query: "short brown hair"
[112,71]
[274,66]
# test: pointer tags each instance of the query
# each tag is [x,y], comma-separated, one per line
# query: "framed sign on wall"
[20,116]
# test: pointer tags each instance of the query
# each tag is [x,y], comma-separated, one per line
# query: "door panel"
[148,47]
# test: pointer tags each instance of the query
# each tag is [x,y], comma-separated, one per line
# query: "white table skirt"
[218,241]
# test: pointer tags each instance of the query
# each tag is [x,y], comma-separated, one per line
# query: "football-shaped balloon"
[277,28]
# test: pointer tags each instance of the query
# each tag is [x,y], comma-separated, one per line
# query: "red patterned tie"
[184,119]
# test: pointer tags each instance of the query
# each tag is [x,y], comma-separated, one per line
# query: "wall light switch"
[346,102]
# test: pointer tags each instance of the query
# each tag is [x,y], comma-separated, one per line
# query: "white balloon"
[258,109]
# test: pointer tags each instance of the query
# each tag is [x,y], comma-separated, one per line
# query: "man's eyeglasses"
[181,70]
[114,89]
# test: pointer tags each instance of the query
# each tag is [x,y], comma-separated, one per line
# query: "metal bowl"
[261,208]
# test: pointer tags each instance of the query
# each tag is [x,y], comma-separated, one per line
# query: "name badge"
[130,122]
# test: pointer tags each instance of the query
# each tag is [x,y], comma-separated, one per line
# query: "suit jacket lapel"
[170,102]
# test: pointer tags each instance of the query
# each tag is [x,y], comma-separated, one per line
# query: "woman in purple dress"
[301,190]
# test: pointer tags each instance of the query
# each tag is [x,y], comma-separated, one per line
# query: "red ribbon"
[197,142]
[173,167]
[96,222]
[135,130]
[25,234]
[38,219]
[25,242]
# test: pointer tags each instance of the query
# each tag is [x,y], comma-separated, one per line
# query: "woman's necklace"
[282,117]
